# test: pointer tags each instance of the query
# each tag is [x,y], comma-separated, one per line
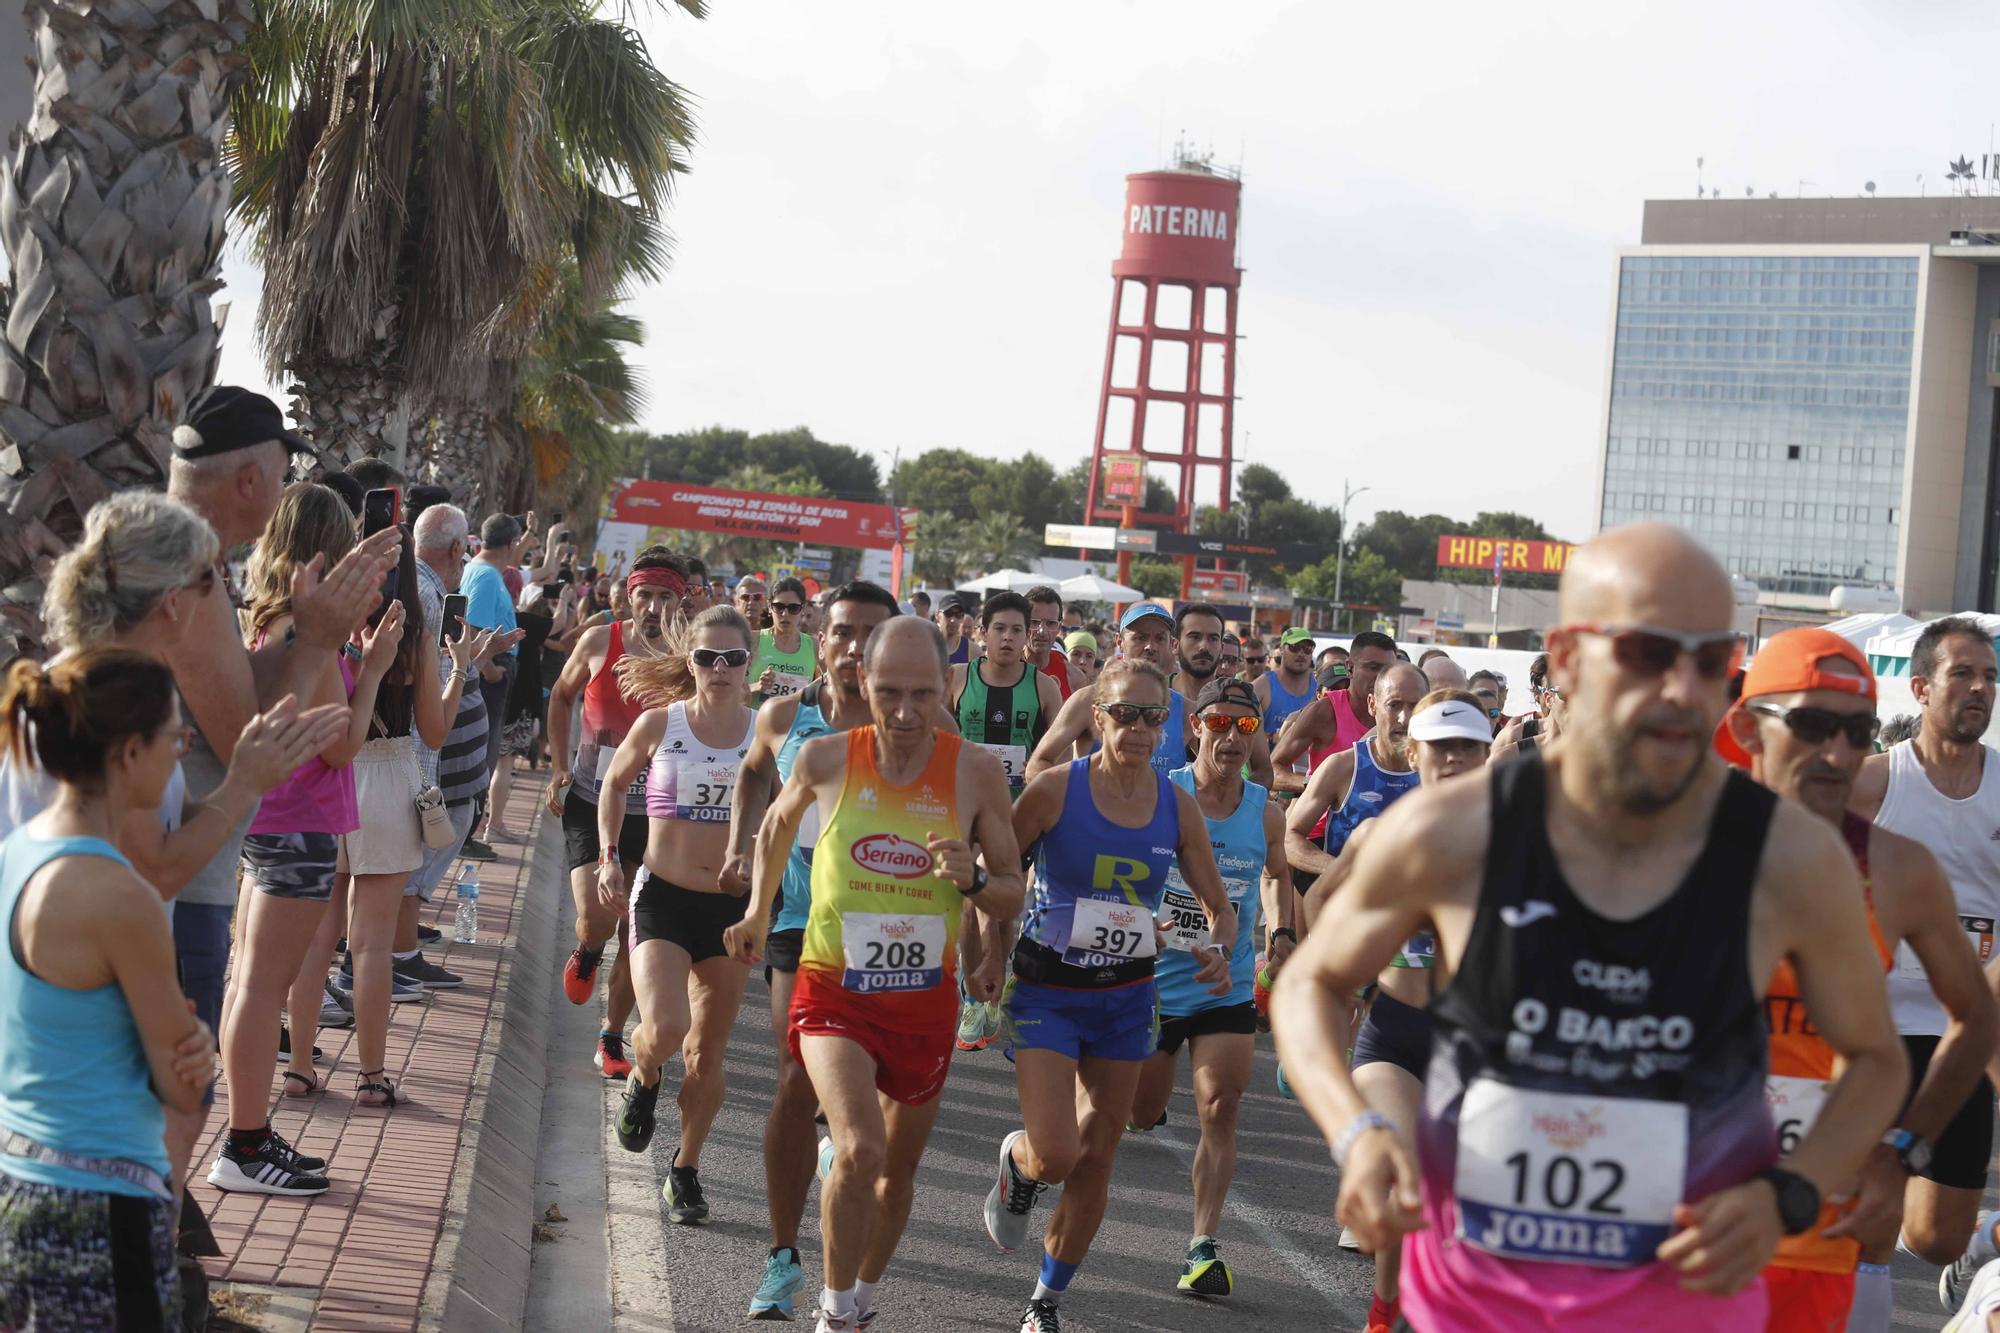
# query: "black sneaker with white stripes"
[1041,1317]
[272,1168]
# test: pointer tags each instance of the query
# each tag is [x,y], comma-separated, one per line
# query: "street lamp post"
[1348,492]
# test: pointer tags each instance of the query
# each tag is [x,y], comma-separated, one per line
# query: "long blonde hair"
[311,520]
[668,678]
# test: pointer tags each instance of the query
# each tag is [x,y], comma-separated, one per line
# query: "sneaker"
[341,999]
[685,1204]
[610,1057]
[1384,1318]
[423,973]
[1285,1086]
[272,1169]
[1204,1273]
[429,934]
[825,1158]
[1347,1240]
[332,1015]
[828,1322]
[580,974]
[1040,1317]
[1957,1277]
[312,1166]
[1010,1201]
[400,991]
[974,1028]
[782,1276]
[475,850]
[1982,1298]
[635,1117]
[285,1046]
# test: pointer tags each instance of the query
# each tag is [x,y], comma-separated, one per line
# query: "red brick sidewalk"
[368,1243]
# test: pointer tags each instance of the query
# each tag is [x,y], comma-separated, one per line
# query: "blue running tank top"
[1240,855]
[73,1072]
[795,889]
[1171,752]
[1098,884]
[1284,703]
[1372,790]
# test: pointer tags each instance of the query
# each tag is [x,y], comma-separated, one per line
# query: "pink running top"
[1347,729]
[315,798]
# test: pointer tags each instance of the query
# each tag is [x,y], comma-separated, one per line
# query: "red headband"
[656,576]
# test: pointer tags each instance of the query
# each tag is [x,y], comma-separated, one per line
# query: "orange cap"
[1790,662]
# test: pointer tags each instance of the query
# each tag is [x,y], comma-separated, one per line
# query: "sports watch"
[1798,1198]
[1912,1149]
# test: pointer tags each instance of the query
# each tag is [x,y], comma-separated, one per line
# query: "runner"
[833,703]
[693,734]
[1006,718]
[1533,729]
[1080,646]
[1443,673]
[1392,1049]
[785,661]
[902,806]
[1218,1030]
[1229,657]
[654,590]
[1366,779]
[1256,657]
[1287,688]
[1943,790]
[1607,916]
[1081,1004]
[1339,716]
[951,614]
[1805,724]
[1045,631]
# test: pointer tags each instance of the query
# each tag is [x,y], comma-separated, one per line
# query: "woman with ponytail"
[99,1034]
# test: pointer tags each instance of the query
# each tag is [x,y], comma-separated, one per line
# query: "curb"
[480,1270]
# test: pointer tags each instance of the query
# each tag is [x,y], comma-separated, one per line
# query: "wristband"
[608,857]
[979,881]
[1287,932]
[1361,1124]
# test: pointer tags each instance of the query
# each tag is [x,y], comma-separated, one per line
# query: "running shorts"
[1114,1023]
[1962,1151]
[1803,1301]
[781,951]
[909,1066]
[580,842]
[1227,1019]
[663,910]
[292,865]
[1396,1034]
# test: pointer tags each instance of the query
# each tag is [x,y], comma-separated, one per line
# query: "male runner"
[1288,686]
[1229,657]
[1942,789]
[1339,716]
[1045,631]
[1539,725]
[1442,672]
[1491,688]
[951,616]
[831,704]
[1256,658]
[1596,1151]
[903,805]
[1357,783]
[1805,723]
[655,589]
[1248,838]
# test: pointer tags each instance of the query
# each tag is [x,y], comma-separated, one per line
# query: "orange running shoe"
[1382,1318]
[580,974]
[610,1056]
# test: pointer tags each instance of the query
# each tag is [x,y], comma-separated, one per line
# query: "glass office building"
[1763,401]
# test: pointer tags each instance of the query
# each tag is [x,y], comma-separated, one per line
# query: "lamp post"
[1348,492]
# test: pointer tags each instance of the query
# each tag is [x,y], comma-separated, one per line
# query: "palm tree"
[111,211]
[997,541]
[418,174]
[576,384]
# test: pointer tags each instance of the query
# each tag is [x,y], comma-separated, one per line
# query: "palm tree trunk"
[456,446]
[354,408]
[111,212]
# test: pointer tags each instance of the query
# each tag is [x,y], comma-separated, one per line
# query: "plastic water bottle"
[465,921]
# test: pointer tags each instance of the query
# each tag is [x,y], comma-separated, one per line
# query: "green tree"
[1366,580]
[1156,578]
[996,541]
[576,385]
[1258,485]
[713,451]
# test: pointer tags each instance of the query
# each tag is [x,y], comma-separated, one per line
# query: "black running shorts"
[1178,1029]
[580,834]
[662,910]
[781,951]
[1396,1034]
[1962,1151]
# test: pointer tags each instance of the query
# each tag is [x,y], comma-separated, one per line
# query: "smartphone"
[454,618]
[555,518]
[381,509]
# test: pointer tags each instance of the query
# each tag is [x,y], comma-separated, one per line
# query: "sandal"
[309,1083]
[376,1090]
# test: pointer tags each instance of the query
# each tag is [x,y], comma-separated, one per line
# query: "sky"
[900,219]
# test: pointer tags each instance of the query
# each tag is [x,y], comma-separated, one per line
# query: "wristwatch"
[1287,932]
[979,881]
[1798,1198]
[1913,1150]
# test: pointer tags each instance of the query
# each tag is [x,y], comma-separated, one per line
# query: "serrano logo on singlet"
[887,854]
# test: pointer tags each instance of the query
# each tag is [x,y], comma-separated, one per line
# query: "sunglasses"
[1298,647]
[1648,650]
[749,596]
[1223,722]
[1125,715]
[1816,726]
[954,612]
[712,658]
[787,608]
[1256,659]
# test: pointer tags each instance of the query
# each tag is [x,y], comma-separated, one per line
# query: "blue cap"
[1140,611]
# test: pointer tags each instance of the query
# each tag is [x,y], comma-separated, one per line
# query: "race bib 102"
[1103,933]
[890,952]
[1568,1178]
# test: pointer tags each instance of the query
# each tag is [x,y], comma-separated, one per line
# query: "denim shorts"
[292,865]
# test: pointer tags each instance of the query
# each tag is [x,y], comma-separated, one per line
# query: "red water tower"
[1169,388]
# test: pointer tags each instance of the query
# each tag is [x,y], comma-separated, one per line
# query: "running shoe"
[1384,1317]
[635,1117]
[475,850]
[1041,1317]
[312,1166]
[1347,1240]
[428,934]
[1204,1273]
[610,1056]
[331,1015]
[285,1046]
[580,974]
[421,971]
[782,1276]
[1954,1281]
[825,1158]
[1982,1298]
[1285,1086]
[975,1026]
[400,991]
[685,1204]
[1010,1201]
[828,1322]
[272,1169]
[345,1002]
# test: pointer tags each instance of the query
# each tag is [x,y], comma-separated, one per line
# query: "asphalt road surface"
[1277,1234]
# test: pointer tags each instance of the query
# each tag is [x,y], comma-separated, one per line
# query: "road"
[1277,1234]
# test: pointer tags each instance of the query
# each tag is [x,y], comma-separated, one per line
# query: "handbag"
[438,833]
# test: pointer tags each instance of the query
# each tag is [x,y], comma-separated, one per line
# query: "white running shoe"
[1011,1199]
[1982,1298]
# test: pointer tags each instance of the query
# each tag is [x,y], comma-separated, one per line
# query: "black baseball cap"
[1225,690]
[225,417]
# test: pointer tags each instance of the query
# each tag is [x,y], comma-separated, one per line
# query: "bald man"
[1442,672]
[1594,1150]
[1358,783]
